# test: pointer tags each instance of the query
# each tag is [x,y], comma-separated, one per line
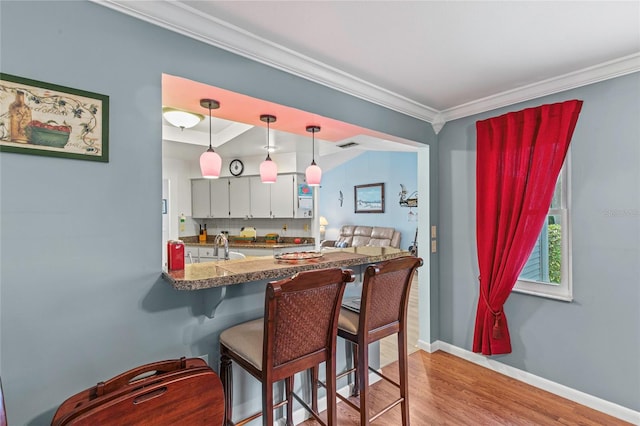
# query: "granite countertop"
[260,242]
[199,276]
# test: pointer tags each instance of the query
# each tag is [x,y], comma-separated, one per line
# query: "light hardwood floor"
[447,390]
[389,345]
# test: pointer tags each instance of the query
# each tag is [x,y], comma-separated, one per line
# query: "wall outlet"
[284,227]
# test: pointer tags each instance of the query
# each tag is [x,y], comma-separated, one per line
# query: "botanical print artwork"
[46,119]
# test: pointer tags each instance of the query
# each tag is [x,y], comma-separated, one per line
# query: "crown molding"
[183,19]
[605,71]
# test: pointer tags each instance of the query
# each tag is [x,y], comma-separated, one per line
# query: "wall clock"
[236,167]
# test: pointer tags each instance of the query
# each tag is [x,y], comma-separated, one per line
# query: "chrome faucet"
[221,238]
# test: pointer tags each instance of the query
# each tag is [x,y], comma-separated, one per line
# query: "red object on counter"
[175,255]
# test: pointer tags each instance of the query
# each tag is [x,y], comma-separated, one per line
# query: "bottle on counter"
[205,232]
[20,116]
[202,237]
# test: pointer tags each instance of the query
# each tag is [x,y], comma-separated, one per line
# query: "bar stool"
[383,312]
[298,332]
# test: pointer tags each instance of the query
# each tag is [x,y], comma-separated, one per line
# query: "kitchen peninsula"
[200,276]
[256,243]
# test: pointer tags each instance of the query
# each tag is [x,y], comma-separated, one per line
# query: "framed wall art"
[46,119]
[369,198]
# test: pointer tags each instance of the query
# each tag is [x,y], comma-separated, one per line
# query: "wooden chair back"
[385,297]
[301,317]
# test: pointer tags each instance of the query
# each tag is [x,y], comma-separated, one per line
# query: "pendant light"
[313,174]
[210,161]
[268,168]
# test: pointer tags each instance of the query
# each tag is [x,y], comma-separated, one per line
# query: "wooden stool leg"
[289,394]
[227,384]
[363,379]
[267,403]
[355,391]
[314,388]
[330,374]
[404,376]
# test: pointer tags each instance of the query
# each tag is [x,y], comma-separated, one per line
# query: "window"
[547,273]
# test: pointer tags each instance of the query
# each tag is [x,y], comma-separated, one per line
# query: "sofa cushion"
[379,242]
[344,241]
[381,236]
[379,232]
[360,241]
[347,231]
[363,231]
[360,236]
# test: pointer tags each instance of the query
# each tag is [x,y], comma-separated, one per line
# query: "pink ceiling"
[181,93]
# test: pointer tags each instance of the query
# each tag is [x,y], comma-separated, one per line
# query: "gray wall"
[81,294]
[593,343]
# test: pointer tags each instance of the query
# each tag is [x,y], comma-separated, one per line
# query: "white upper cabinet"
[260,198]
[239,197]
[210,198]
[200,198]
[245,197]
[283,196]
[219,197]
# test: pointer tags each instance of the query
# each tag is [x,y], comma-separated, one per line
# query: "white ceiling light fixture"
[179,118]
[313,174]
[210,161]
[268,168]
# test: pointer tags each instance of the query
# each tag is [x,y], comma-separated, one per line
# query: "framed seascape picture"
[46,119]
[369,198]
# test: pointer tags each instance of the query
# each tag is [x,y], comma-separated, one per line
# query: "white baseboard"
[585,399]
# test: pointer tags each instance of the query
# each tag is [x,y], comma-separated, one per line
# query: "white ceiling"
[434,60]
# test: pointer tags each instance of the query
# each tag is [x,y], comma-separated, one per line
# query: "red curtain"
[519,157]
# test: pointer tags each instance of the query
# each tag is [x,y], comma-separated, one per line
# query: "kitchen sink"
[233,255]
[236,255]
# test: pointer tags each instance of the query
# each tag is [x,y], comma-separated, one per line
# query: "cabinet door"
[260,198]
[219,198]
[239,202]
[282,196]
[200,198]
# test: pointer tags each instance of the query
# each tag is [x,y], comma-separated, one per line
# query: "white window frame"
[564,291]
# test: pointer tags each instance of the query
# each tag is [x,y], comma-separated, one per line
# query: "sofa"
[359,236]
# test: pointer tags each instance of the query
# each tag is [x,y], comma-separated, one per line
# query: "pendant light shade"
[313,174]
[268,168]
[210,161]
[210,164]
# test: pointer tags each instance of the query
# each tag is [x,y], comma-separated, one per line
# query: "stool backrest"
[385,295]
[301,319]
